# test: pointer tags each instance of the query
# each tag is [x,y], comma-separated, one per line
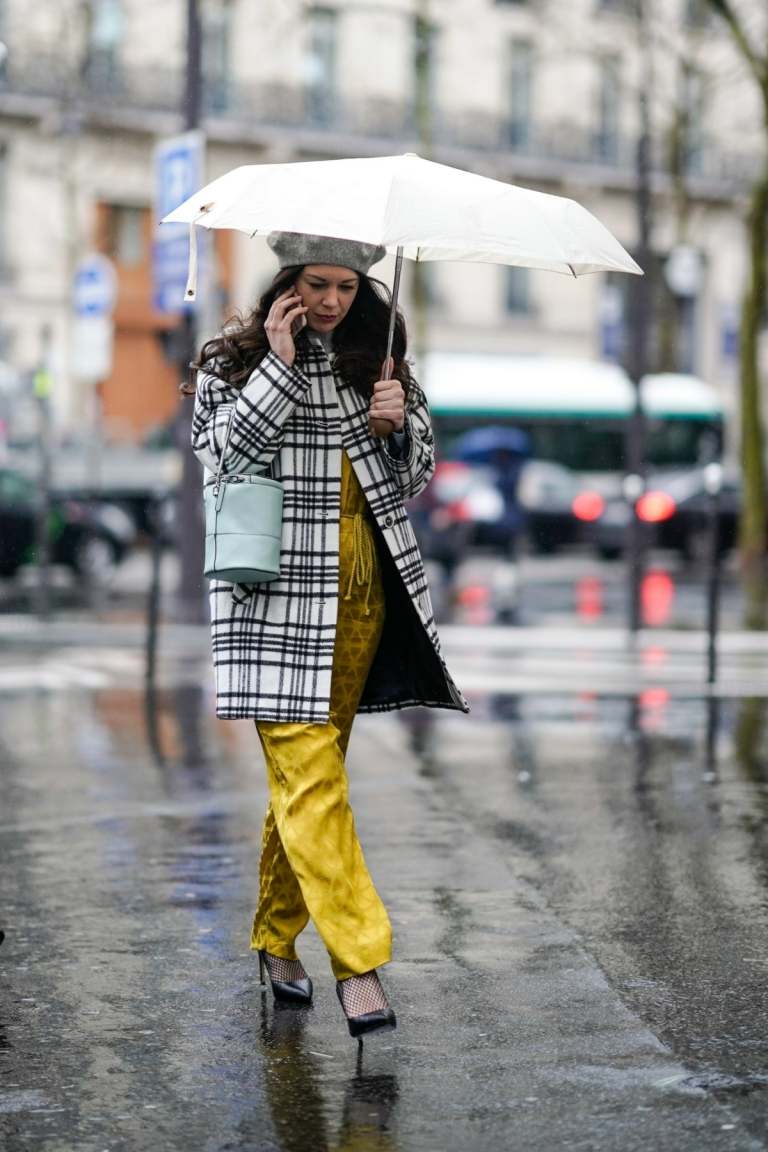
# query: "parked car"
[124,475]
[674,510]
[463,509]
[547,492]
[447,515]
[89,537]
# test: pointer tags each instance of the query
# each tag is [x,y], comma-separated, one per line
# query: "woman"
[348,624]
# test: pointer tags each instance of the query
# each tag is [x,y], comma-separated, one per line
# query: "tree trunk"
[754,513]
[749,735]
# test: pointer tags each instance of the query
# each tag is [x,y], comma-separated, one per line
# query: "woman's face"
[327,292]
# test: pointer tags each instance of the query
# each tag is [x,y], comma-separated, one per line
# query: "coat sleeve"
[412,462]
[259,411]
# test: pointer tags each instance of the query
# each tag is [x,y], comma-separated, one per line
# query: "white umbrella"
[415,208]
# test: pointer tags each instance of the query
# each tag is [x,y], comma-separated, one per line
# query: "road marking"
[495,638]
[51,677]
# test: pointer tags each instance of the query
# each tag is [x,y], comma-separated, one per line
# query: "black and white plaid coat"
[273,642]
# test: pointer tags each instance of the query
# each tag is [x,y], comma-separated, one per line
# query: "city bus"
[574,411]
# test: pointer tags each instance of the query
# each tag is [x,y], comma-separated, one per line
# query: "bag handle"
[218,478]
[220,468]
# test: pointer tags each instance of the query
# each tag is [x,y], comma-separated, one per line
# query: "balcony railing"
[245,109]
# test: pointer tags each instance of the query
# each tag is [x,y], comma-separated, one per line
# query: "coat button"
[388,521]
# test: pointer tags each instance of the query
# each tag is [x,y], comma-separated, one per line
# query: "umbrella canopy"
[414,207]
[479,445]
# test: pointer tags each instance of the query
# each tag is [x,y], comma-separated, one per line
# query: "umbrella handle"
[385,369]
[393,309]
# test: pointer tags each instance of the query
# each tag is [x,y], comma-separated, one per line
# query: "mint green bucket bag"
[243,526]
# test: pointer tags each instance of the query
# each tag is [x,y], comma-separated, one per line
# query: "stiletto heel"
[366,1022]
[297,991]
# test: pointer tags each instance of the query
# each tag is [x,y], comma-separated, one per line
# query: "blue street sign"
[94,287]
[729,333]
[178,174]
[611,322]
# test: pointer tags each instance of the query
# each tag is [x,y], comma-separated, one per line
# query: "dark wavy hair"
[359,342]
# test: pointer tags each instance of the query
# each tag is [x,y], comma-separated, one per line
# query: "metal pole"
[710,745]
[713,482]
[193,86]
[423,123]
[42,389]
[393,309]
[640,316]
[190,546]
[153,599]
[158,541]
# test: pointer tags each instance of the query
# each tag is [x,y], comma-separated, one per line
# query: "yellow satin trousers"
[312,864]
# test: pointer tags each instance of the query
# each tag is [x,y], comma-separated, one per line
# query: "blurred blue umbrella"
[480,445]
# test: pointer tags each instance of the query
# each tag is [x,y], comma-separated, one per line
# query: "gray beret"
[297,248]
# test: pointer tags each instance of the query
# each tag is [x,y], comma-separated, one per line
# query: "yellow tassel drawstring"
[362,560]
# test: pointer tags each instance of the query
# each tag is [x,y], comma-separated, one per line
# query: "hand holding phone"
[286,313]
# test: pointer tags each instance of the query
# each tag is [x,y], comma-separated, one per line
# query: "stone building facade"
[540,92]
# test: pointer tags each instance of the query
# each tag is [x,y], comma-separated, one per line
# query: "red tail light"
[588,506]
[459,511]
[653,507]
[472,595]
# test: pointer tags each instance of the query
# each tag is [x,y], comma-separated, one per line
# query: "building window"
[104,39]
[608,109]
[320,65]
[517,298]
[424,72]
[3,54]
[623,7]
[426,291]
[520,84]
[125,235]
[217,45]
[697,13]
[693,109]
[3,210]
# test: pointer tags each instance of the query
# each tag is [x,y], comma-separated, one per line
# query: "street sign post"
[178,174]
[94,291]
[95,286]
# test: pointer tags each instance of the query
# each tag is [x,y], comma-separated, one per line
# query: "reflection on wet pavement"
[576,588]
[301,1116]
[578,886]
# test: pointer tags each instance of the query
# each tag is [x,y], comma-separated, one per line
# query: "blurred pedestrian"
[507,468]
[347,626]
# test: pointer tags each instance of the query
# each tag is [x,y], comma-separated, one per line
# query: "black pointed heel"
[360,1026]
[286,991]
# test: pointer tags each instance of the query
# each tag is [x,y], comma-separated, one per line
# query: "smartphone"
[301,321]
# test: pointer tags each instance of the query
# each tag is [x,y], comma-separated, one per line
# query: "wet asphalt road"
[569,588]
[580,905]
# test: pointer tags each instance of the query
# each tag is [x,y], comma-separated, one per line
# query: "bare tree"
[752,47]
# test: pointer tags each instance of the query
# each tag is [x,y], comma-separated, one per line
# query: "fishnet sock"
[284,971]
[361,994]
